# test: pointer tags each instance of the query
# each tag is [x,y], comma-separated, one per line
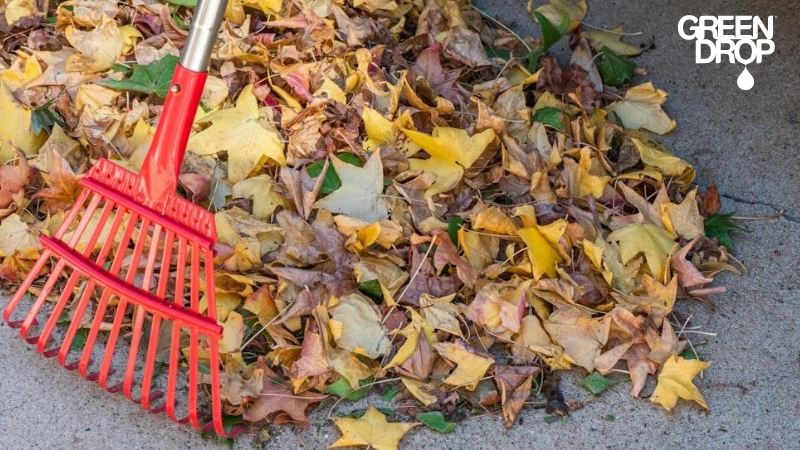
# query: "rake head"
[122,268]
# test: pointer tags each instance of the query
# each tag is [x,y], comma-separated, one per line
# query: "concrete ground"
[744,141]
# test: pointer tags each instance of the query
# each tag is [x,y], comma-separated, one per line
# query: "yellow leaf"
[260,189]
[232,333]
[360,194]
[15,235]
[534,342]
[245,132]
[99,48]
[470,368]
[441,313]
[555,10]
[371,430]
[684,219]
[493,220]
[581,337]
[654,155]
[452,151]
[675,381]
[416,388]
[356,326]
[331,91]
[544,251]
[15,128]
[641,108]
[18,9]
[657,245]
[589,184]
[612,40]
[406,350]
[24,69]
[129,36]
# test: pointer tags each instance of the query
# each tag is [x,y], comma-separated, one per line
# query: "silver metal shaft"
[202,35]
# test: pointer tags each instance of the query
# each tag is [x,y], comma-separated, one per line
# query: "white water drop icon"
[745,80]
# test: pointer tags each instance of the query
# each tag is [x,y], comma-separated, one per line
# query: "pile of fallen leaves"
[411,200]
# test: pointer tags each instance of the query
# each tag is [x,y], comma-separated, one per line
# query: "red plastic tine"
[119,314]
[102,304]
[216,400]
[138,321]
[175,337]
[43,258]
[194,343]
[83,302]
[53,278]
[155,332]
[75,276]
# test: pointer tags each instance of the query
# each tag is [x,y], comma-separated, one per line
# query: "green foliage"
[436,421]
[331,182]
[550,116]
[596,383]
[615,71]
[341,388]
[152,78]
[720,226]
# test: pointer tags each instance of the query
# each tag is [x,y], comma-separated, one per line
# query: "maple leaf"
[542,242]
[356,325]
[99,48]
[641,108]
[656,243]
[470,367]
[684,219]
[675,381]
[451,151]
[15,128]
[275,396]
[12,180]
[514,383]
[245,132]
[581,337]
[372,430]
[360,194]
[63,185]
[17,236]
[688,274]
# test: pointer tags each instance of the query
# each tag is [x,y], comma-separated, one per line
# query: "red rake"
[126,267]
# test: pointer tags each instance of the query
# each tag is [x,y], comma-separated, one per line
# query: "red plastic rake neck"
[128,262]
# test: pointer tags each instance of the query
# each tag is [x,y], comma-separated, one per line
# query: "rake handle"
[162,165]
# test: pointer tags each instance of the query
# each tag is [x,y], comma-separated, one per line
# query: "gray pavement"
[744,141]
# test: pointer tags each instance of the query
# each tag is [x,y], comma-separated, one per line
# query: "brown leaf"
[13,179]
[709,200]
[276,396]
[514,383]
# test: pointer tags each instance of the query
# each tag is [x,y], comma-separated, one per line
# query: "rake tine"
[83,302]
[155,332]
[138,322]
[180,281]
[44,336]
[30,320]
[194,341]
[119,314]
[216,401]
[103,303]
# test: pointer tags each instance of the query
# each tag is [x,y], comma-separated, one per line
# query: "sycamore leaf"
[356,326]
[656,243]
[372,430]
[641,108]
[470,367]
[262,190]
[360,194]
[555,10]
[675,381]
[15,128]
[245,132]
[99,48]
[452,151]
[152,78]
[683,219]
[612,40]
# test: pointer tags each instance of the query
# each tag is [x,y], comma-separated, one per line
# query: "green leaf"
[720,226]
[596,383]
[550,34]
[453,225]
[436,421]
[187,3]
[390,393]
[79,341]
[372,289]
[332,181]
[549,115]
[614,70]
[689,354]
[178,21]
[152,78]
[43,118]
[341,388]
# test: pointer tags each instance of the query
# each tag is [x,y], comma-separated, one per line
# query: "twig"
[503,26]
